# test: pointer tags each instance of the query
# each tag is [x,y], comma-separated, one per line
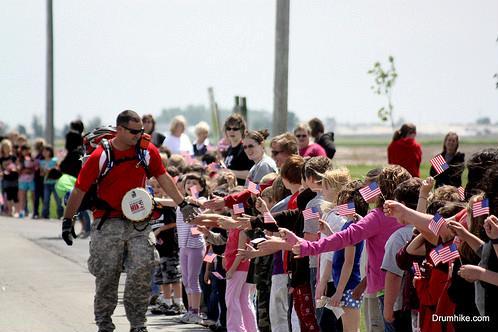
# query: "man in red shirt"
[116,241]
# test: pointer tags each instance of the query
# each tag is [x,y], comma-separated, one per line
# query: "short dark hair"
[407,192]
[77,125]
[151,118]
[236,119]
[316,126]
[127,116]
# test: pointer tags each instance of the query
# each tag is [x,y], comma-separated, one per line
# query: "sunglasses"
[301,136]
[275,152]
[232,129]
[134,131]
[250,146]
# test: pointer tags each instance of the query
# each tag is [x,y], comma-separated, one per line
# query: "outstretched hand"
[395,209]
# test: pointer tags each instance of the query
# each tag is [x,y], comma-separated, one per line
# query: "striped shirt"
[185,237]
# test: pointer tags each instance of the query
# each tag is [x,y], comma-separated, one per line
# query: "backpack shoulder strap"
[106,161]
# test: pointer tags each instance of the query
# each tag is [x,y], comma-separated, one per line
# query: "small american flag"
[253,188]
[480,208]
[268,218]
[434,255]
[311,213]
[213,167]
[188,158]
[436,222]
[449,253]
[194,191]
[461,193]
[370,191]
[238,208]
[416,269]
[439,164]
[346,209]
[209,258]
[218,275]
[457,241]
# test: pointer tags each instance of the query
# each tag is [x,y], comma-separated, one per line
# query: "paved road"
[45,285]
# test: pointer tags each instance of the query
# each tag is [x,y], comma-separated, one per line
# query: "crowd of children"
[27,177]
[304,247]
[290,242]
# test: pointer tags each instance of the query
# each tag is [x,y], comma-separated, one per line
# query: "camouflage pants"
[115,245]
[263,272]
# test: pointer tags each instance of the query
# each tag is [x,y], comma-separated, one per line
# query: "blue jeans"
[49,188]
[388,327]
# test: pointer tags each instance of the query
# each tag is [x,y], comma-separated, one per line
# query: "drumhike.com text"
[459,318]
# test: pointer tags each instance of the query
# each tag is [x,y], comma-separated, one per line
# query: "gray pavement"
[45,285]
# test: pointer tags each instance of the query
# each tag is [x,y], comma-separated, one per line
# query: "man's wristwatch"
[183,204]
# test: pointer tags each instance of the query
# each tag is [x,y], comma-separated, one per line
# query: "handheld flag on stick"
[461,193]
[311,213]
[480,208]
[209,258]
[416,269]
[238,208]
[194,191]
[268,218]
[436,222]
[449,253]
[439,164]
[434,255]
[253,188]
[370,191]
[346,209]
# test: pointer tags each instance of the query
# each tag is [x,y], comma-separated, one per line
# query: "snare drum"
[137,205]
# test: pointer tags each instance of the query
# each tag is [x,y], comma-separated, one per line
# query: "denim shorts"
[27,185]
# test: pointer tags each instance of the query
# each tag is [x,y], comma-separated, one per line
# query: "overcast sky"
[154,54]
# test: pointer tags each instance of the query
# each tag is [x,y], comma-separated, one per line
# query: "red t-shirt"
[313,150]
[231,251]
[122,177]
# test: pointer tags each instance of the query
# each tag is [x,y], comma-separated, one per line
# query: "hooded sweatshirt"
[407,153]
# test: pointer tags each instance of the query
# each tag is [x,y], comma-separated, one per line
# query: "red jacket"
[407,153]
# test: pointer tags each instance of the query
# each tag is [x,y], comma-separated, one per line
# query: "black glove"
[68,233]
[189,211]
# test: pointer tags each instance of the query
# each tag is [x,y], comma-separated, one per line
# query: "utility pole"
[49,112]
[215,116]
[280,87]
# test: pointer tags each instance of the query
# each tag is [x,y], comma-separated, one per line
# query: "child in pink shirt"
[375,227]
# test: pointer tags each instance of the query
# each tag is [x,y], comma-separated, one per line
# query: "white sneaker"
[195,319]
[185,318]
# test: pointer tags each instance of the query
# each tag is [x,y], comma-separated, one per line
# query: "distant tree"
[4,128]
[93,123]
[292,121]
[37,126]
[64,130]
[21,129]
[384,81]
[257,119]
[483,120]
[330,124]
